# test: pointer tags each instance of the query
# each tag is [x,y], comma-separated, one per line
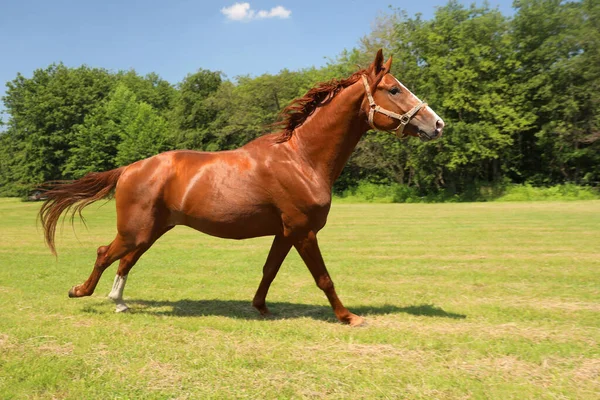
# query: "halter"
[404,118]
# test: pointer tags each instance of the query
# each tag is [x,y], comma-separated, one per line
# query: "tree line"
[520,96]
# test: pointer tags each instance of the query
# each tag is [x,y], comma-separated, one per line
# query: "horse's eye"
[394,90]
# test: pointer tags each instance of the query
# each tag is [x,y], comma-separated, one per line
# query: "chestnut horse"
[277,185]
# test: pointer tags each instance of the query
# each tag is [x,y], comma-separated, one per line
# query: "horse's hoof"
[264,312]
[121,308]
[267,315]
[354,320]
[72,292]
[262,309]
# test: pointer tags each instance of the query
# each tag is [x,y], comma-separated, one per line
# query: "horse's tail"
[74,196]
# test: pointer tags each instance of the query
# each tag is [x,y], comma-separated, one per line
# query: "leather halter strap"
[404,118]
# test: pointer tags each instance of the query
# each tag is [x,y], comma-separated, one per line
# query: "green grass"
[481,300]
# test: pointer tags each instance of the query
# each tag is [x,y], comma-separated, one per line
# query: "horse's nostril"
[439,125]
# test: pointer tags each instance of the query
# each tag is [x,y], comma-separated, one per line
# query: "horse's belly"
[224,195]
[232,224]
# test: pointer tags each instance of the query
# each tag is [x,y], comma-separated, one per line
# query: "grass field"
[482,300]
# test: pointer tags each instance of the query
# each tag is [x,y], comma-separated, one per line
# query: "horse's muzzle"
[439,127]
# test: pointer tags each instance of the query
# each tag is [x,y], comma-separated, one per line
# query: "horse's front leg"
[279,250]
[311,254]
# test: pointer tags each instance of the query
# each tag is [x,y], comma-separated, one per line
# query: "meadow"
[462,300]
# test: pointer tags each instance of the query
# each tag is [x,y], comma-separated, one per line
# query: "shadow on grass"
[279,310]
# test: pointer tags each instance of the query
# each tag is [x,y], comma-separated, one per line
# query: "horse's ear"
[378,62]
[388,65]
[378,69]
[377,65]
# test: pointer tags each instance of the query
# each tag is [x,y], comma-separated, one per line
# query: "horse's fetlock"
[325,283]
[258,304]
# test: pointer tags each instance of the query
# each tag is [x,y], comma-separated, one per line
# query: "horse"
[279,184]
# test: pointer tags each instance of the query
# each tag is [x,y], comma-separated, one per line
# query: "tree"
[144,136]
[94,146]
[119,132]
[44,111]
[193,111]
[557,46]
[247,109]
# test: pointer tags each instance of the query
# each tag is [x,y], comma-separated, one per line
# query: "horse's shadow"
[279,310]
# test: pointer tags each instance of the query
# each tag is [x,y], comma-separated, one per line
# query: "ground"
[481,300]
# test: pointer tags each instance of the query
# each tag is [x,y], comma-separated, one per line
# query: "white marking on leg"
[116,294]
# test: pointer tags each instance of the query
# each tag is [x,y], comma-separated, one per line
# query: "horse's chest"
[301,217]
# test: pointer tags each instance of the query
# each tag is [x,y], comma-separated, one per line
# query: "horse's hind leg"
[106,256]
[141,217]
[127,262]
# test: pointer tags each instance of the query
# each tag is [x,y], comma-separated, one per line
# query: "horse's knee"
[325,283]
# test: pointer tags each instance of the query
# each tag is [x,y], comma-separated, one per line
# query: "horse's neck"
[329,136]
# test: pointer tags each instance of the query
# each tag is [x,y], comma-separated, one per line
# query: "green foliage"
[10,167]
[44,113]
[246,110]
[554,193]
[143,136]
[194,110]
[368,192]
[557,45]
[121,131]
[94,146]
[150,89]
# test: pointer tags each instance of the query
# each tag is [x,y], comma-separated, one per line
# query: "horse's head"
[391,107]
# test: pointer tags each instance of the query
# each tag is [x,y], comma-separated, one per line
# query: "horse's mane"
[296,113]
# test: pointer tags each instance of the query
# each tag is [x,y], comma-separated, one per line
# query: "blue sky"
[177,37]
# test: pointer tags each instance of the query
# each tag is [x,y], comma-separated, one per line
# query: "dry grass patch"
[588,372]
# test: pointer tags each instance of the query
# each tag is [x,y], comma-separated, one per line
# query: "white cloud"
[276,12]
[238,12]
[243,12]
